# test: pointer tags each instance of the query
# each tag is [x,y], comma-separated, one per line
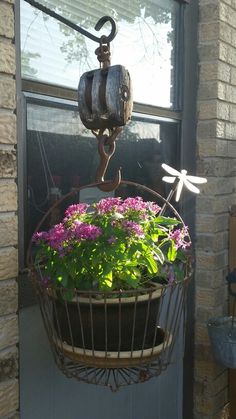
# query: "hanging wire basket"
[222,330]
[104,338]
[222,333]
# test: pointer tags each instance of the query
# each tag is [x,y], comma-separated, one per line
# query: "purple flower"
[107,205]
[137,204]
[57,236]
[75,209]
[83,231]
[153,207]
[179,237]
[133,228]
[40,236]
[112,240]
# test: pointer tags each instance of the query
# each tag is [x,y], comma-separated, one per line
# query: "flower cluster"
[114,244]
[74,210]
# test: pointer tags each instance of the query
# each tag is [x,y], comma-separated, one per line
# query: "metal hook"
[105,158]
[101,22]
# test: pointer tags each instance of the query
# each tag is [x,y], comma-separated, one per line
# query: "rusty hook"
[106,39]
[104,140]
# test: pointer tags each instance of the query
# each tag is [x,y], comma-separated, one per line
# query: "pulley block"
[105,97]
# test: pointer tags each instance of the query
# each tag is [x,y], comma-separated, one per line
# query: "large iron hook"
[103,141]
[103,39]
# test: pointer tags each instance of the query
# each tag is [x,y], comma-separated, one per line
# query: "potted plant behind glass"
[109,250]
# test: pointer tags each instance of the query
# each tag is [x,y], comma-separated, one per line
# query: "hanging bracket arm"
[104,39]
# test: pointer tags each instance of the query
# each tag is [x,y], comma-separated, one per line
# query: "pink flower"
[83,231]
[108,205]
[137,204]
[40,236]
[179,236]
[133,228]
[75,209]
[57,236]
[112,240]
[153,207]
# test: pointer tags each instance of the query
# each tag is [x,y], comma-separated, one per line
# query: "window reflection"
[62,155]
[145,44]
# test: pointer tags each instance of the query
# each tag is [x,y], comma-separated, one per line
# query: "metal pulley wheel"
[105,97]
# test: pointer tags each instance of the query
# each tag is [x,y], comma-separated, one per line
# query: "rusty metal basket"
[112,338]
[222,333]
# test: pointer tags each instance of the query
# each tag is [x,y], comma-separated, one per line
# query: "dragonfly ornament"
[184,180]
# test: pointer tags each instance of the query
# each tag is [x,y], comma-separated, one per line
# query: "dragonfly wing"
[196,179]
[191,187]
[179,190]
[169,179]
[170,170]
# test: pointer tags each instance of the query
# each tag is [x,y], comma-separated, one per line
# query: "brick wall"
[8,217]
[216,159]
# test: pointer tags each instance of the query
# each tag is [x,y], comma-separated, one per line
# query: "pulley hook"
[103,141]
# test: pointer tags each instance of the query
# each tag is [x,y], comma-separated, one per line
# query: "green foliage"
[114,245]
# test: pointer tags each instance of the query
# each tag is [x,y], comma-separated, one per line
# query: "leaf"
[159,255]
[129,278]
[154,237]
[166,221]
[151,264]
[137,272]
[107,280]
[172,252]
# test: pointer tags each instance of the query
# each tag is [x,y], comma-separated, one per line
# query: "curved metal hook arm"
[101,23]
[98,26]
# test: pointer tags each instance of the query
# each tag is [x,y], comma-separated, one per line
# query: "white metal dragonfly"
[184,179]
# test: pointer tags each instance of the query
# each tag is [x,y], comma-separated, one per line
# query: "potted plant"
[105,267]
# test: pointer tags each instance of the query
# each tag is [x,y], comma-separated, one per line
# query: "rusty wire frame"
[144,325]
[114,368]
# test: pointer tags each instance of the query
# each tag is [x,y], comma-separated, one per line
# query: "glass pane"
[145,44]
[62,155]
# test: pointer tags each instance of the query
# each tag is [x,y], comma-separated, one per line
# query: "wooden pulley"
[105,97]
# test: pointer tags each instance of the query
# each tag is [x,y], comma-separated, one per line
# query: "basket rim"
[113,359]
[154,291]
[219,321]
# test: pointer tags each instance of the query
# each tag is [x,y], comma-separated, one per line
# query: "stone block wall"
[216,160]
[8,218]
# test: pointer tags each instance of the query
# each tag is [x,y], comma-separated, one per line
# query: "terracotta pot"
[109,325]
